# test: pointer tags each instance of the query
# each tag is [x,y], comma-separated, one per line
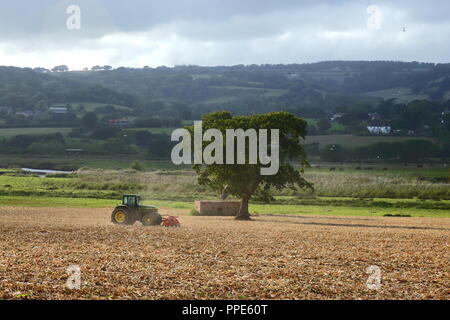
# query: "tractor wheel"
[123,217]
[151,219]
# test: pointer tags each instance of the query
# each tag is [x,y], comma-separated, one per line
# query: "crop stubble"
[219,258]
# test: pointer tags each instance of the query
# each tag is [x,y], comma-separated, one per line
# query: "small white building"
[379,129]
[58,110]
[336,116]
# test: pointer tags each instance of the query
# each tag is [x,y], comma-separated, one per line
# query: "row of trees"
[95,139]
[102,141]
[406,151]
[65,68]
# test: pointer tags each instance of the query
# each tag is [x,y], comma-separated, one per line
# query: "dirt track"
[269,258]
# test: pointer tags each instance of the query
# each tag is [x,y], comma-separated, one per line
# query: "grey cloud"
[211,32]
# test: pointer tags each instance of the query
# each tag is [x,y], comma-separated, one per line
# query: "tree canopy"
[89,120]
[245,180]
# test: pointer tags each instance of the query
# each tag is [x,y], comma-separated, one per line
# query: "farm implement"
[131,211]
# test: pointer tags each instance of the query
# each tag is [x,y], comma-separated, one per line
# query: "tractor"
[131,211]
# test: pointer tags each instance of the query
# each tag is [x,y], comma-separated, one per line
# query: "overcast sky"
[137,33]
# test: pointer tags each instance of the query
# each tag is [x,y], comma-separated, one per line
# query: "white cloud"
[287,35]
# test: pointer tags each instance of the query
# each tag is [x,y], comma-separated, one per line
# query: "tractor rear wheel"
[151,219]
[123,217]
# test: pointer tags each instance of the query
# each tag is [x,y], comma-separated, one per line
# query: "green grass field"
[403,95]
[335,126]
[237,91]
[336,193]
[306,210]
[7,133]
[73,162]
[154,130]
[90,106]
[351,141]
[346,140]
[411,170]
[267,92]
[219,100]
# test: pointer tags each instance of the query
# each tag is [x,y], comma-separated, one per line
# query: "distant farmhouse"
[58,110]
[336,116]
[379,129]
[119,122]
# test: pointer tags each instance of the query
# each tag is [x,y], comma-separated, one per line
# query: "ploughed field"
[272,257]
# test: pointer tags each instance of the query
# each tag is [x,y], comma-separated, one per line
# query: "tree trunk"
[243,213]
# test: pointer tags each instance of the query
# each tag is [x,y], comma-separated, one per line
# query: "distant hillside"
[355,110]
[214,85]
[242,89]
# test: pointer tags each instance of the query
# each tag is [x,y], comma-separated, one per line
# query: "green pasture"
[261,209]
[178,190]
[7,133]
[351,141]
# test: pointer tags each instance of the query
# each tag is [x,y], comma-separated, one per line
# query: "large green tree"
[245,180]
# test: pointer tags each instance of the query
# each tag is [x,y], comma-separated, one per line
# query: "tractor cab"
[131,200]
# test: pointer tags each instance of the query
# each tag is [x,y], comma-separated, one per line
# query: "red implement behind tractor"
[170,221]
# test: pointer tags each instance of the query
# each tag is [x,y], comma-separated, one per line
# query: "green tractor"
[131,211]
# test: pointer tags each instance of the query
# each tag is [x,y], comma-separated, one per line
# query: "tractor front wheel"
[151,219]
[122,217]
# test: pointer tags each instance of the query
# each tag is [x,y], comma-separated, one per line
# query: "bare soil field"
[272,257]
